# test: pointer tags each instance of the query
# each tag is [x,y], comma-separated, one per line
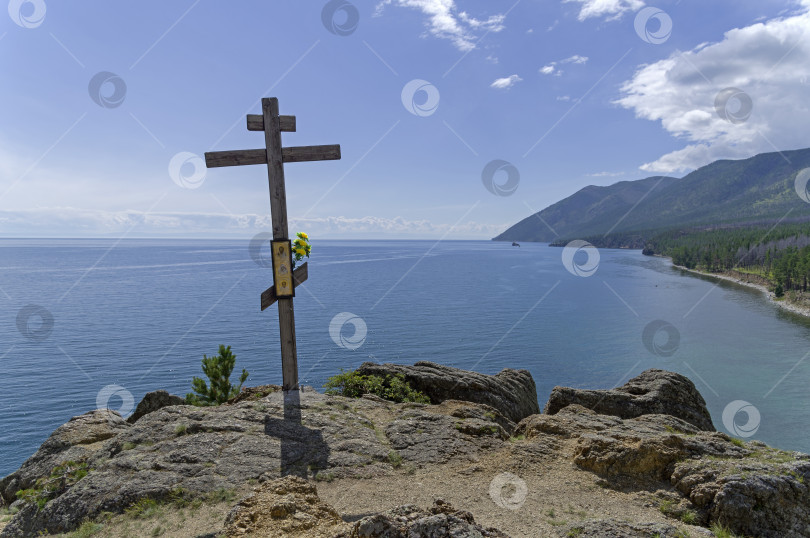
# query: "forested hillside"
[755,190]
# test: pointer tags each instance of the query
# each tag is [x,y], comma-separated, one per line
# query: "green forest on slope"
[740,215]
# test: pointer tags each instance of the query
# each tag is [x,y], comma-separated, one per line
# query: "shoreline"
[784,303]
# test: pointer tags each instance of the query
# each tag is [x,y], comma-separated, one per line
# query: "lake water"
[138,315]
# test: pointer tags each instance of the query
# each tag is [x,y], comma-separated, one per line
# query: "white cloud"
[446,22]
[769,62]
[610,9]
[505,83]
[552,69]
[563,98]
[492,59]
[575,59]
[606,174]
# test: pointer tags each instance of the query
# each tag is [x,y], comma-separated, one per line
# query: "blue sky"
[563,93]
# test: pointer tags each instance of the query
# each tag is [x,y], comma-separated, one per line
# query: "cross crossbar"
[295,154]
[300,276]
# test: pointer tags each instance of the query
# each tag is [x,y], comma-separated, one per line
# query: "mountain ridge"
[724,192]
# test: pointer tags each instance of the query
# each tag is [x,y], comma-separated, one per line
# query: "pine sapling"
[218,369]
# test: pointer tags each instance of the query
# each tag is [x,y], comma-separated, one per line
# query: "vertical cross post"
[278,211]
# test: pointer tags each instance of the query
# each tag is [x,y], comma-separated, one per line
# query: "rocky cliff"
[480,460]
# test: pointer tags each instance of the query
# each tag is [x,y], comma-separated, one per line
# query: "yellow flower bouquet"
[300,247]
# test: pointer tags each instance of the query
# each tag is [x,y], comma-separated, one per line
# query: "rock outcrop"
[290,506]
[287,506]
[766,493]
[750,488]
[614,528]
[440,521]
[512,392]
[203,449]
[653,392]
[152,401]
[76,440]
[664,455]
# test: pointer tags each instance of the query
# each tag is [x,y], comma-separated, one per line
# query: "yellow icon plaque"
[283,268]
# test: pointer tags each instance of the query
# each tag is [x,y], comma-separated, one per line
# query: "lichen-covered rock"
[766,493]
[512,392]
[653,392]
[152,401]
[614,528]
[440,521]
[203,449]
[76,440]
[424,437]
[290,506]
[648,445]
[750,488]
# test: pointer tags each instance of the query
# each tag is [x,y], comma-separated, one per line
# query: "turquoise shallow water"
[138,315]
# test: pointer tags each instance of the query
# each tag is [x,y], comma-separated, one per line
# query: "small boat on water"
[515,244]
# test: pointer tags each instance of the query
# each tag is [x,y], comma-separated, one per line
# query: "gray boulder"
[614,528]
[152,401]
[652,392]
[290,506]
[752,489]
[440,521]
[511,392]
[766,494]
[76,440]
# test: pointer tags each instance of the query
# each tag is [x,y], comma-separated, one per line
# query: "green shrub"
[721,531]
[218,369]
[87,529]
[395,459]
[62,478]
[391,387]
[143,508]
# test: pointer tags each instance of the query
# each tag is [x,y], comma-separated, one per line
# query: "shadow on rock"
[303,450]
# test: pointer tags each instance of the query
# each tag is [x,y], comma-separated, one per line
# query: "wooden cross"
[284,280]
